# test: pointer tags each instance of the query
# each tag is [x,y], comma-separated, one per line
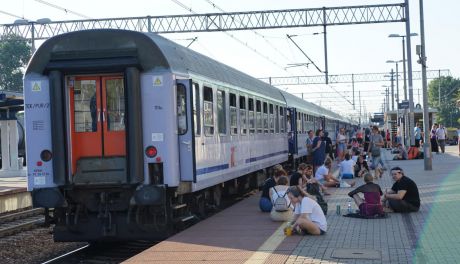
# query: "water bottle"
[349,207]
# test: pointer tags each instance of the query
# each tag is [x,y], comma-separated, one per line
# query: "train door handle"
[98,115]
[186,142]
[104,113]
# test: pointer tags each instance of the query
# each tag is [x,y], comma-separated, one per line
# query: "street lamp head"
[44,20]
[390,61]
[402,36]
[21,22]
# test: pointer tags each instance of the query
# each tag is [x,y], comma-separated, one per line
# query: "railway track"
[14,223]
[120,251]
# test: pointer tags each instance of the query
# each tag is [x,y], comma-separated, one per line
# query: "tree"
[15,52]
[443,93]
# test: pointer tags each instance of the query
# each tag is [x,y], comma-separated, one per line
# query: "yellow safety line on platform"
[267,248]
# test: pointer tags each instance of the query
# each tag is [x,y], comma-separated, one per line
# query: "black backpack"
[313,189]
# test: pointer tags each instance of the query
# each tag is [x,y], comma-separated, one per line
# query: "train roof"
[147,51]
[311,108]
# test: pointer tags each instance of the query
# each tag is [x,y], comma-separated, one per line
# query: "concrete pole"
[397,86]
[439,88]
[426,126]
[409,71]
[353,89]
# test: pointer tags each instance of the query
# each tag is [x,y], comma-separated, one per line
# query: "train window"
[233,115]
[221,112]
[271,122]
[305,123]
[208,121]
[277,119]
[243,120]
[196,109]
[181,110]
[252,124]
[299,122]
[282,122]
[85,105]
[265,121]
[259,116]
[115,98]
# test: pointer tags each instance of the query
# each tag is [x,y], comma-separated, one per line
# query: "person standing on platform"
[434,142]
[319,149]
[403,196]
[308,144]
[376,142]
[328,141]
[441,137]
[458,140]
[417,135]
[341,142]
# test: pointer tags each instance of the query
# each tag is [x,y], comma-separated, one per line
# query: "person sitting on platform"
[361,166]
[346,167]
[325,178]
[403,196]
[265,203]
[308,216]
[402,155]
[371,205]
[279,191]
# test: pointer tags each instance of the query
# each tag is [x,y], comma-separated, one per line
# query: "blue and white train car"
[130,135]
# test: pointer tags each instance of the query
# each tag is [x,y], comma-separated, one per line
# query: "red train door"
[97,117]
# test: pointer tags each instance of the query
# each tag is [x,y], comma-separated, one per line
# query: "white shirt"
[320,172]
[440,133]
[312,208]
[346,167]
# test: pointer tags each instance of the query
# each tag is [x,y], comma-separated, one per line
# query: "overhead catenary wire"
[63,9]
[235,38]
[255,32]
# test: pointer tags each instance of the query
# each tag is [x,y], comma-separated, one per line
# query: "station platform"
[13,194]
[242,234]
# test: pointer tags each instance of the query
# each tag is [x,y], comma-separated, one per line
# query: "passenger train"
[130,135]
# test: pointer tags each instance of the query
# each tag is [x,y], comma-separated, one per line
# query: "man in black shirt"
[403,196]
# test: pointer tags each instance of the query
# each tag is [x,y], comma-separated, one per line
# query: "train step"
[178,206]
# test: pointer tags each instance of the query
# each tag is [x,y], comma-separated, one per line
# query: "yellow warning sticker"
[157,80]
[36,86]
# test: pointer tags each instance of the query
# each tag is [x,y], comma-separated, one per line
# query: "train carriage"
[130,134]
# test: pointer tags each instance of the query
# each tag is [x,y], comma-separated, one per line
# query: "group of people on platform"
[298,196]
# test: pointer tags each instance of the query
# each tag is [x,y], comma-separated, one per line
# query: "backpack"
[413,153]
[313,189]
[280,204]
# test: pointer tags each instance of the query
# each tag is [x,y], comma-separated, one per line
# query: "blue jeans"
[376,161]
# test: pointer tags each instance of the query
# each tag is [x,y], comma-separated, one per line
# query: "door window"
[115,93]
[85,105]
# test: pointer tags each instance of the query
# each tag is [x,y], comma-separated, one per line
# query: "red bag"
[412,153]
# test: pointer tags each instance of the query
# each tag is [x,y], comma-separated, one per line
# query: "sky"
[351,48]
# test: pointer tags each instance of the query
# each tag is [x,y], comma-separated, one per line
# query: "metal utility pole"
[392,91]
[409,69]
[353,89]
[404,69]
[326,71]
[360,113]
[426,126]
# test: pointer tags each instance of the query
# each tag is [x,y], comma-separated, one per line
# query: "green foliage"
[442,94]
[15,53]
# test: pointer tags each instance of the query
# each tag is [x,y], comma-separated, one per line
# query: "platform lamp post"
[410,116]
[32,28]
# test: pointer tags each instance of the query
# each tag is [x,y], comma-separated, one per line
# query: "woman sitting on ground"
[371,204]
[347,167]
[308,215]
[361,166]
[280,191]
